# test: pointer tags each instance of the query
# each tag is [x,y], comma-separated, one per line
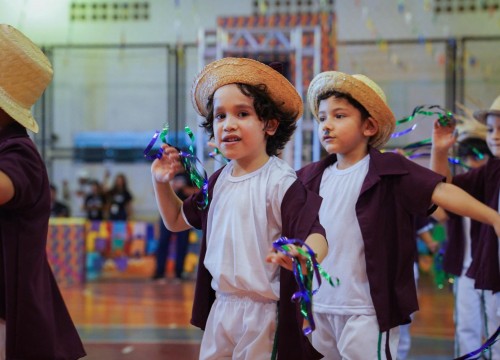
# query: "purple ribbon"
[489,343]
[304,296]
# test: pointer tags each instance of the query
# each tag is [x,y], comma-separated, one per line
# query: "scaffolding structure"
[272,41]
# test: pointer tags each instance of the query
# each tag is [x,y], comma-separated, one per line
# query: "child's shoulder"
[390,160]
[279,170]
[316,166]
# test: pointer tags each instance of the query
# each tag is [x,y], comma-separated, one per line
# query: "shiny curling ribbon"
[148,151]
[191,163]
[195,168]
[415,153]
[412,151]
[445,117]
[478,354]
[215,153]
[304,281]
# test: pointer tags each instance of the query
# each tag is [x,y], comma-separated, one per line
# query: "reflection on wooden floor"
[140,319]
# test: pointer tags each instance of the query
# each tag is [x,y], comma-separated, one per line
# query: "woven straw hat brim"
[481,115]
[244,71]
[470,128]
[363,90]
[18,113]
[25,72]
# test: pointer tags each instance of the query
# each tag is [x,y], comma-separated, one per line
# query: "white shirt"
[340,190]
[243,221]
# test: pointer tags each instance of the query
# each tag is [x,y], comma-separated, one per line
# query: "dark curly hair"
[340,95]
[266,110]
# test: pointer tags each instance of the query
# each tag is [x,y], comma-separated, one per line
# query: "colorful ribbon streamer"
[441,277]
[215,153]
[191,163]
[304,281]
[477,354]
[445,117]
[414,154]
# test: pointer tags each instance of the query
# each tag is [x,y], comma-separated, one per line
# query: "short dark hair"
[340,95]
[267,109]
[473,147]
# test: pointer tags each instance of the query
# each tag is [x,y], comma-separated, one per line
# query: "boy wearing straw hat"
[35,323]
[243,298]
[483,183]
[370,200]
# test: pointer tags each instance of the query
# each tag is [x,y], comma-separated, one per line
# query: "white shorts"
[352,337]
[239,328]
[476,317]
[2,339]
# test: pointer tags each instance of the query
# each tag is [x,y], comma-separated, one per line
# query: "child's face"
[493,137]
[238,132]
[341,128]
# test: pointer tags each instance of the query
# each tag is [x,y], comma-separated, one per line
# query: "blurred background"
[124,69]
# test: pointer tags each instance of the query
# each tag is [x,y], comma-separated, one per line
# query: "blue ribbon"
[489,343]
[305,293]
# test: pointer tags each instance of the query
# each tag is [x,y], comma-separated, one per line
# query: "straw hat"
[363,90]
[245,71]
[494,110]
[468,127]
[25,72]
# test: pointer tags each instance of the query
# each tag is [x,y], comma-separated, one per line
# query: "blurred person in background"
[474,316]
[94,202]
[57,208]
[119,199]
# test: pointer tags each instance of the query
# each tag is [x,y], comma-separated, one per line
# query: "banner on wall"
[66,250]
[118,247]
[80,250]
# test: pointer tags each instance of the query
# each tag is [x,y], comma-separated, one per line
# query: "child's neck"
[244,166]
[345,161]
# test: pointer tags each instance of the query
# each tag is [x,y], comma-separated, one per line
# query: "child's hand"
[285,261]
[164,169]
[443,136]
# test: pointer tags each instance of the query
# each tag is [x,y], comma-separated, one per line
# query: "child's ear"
[271,127]
[370,127]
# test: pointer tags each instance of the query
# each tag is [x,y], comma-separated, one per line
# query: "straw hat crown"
[244,71]
[363,90]
[468,127]
[25,72]
[493,110]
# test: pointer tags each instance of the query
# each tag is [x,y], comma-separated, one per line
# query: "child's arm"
[319,245]
[443,138]
[6,188]
[456,200]
[162,171]
[440,215]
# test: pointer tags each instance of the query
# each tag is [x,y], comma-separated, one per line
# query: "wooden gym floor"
[142,319]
